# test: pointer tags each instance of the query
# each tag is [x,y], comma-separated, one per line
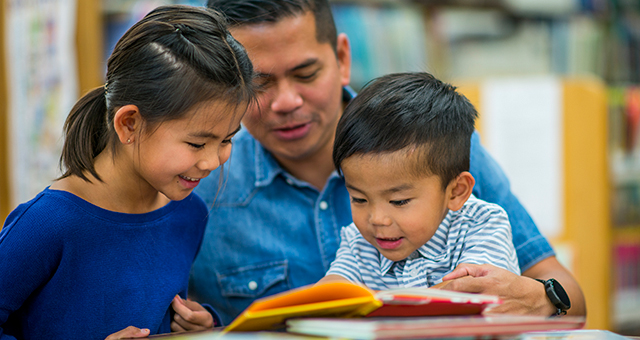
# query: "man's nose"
[286,99]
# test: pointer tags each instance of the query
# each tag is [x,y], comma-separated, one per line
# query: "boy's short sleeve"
[347,261]
[489,239]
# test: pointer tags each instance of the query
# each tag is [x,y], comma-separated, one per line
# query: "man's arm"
[520,294]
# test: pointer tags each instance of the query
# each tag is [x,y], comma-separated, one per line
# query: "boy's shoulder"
[479,211]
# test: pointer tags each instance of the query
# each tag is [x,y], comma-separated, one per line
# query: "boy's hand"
[189,316]
[129,332]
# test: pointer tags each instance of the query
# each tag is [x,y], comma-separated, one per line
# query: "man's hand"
[189,316]
[519,294]
[129,332]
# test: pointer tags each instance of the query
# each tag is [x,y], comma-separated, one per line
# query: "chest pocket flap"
[254,280]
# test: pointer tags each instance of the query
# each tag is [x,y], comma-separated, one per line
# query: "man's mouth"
[292,132]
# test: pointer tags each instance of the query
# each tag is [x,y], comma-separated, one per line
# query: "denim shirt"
[269,232]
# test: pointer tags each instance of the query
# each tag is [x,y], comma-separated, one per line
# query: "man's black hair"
[245,12]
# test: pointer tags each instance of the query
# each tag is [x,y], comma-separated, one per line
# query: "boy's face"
[394,210]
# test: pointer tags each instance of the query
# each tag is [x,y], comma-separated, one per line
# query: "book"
[430,327]
[346,300]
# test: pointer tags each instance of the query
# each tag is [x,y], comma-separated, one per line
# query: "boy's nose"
[379,218]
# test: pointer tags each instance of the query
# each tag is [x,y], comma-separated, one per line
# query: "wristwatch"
[557,295]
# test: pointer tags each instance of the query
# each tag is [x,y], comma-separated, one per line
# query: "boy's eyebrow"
[207,134]
[399,188]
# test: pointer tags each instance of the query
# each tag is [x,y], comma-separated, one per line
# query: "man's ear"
[459,190]
[343,52]
[127,122]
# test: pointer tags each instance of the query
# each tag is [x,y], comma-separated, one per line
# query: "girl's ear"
[459,190]
[127,122]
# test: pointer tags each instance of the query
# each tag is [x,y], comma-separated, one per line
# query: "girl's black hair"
[412,112]
[174,58]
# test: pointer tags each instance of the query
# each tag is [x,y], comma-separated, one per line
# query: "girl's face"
[394,210]
[174,156]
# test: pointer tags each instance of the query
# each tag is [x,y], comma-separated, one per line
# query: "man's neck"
[313,170]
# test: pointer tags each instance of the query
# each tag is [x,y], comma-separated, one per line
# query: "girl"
[110,243]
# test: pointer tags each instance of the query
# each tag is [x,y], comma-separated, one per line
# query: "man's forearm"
[551,268]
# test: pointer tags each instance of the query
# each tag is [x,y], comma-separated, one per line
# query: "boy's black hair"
[409,111]
[246,12]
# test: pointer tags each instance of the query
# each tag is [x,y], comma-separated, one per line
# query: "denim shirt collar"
[431,250]
[267,167]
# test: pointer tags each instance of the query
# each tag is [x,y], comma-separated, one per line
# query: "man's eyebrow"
[305,63]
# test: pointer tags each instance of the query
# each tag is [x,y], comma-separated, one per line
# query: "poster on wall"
[522,129]
[42,88]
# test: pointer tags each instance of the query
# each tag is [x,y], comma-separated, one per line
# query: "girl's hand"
[189,316]
[129,332]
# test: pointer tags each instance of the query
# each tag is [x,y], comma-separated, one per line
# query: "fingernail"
[144,330]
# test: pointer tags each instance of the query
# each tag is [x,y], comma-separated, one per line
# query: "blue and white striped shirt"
[478,233]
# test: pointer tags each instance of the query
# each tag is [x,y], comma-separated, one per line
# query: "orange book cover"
[345,300]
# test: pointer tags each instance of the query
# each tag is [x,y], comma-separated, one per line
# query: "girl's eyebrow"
[207,134]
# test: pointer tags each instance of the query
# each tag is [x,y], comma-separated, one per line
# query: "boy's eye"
[358,200]
[196,146]
[400,202]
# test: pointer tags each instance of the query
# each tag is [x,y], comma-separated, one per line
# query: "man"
[277,216]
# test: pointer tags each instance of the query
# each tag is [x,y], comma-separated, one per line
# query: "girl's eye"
[400,202]
[227,141]
[196,146]
[358,200]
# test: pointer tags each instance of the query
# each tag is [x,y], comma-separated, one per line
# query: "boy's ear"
[459,190]
[127,122]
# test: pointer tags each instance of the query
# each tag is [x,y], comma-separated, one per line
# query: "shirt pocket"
[254,280]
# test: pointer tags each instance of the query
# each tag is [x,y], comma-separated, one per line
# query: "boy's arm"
[332,278]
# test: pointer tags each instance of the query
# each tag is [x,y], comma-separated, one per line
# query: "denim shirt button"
[323,205]
[253,285]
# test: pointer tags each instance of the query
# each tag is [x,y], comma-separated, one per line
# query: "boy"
[402,146]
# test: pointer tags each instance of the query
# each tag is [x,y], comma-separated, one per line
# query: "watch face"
[563,299]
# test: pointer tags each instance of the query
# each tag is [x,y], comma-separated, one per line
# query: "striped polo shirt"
[478,233]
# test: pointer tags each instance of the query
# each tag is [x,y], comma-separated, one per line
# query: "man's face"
[302,82]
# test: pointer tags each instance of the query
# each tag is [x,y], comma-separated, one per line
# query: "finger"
[129,332]
[176,327]
[465,269]
[468,284]
[188,318]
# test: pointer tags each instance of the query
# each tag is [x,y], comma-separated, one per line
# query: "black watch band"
[557,295]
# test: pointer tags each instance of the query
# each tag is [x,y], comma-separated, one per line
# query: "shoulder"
[479,213]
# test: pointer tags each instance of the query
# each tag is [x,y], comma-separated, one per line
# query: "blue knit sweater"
[72,270]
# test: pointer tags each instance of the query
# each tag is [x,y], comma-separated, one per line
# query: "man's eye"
[400,202]
[308,76]
[196,146]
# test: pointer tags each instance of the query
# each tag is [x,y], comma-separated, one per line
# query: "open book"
[431,327]
[341,299]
